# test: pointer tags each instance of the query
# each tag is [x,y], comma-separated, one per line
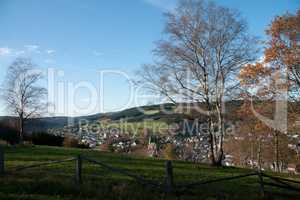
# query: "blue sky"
[83,37]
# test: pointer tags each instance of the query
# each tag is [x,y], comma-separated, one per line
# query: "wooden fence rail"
[44,164]
[169,182]
[78,167]
[2,169]
[190,185]
[282,186]
[261,184]
[140,179]
[167,186]
[282,179]
[282,183]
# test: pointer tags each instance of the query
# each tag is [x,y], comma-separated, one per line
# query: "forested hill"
[137,114]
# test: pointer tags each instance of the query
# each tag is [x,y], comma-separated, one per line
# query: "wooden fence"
[1,161]
[168,185]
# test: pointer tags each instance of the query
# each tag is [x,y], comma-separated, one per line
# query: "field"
[57,182]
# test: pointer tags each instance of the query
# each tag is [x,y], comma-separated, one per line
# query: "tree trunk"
[259,154]
[212,152]
[252,154]
[220,158]
[21,129]
[215,150]
[216,144]
[276,152]
[221,129]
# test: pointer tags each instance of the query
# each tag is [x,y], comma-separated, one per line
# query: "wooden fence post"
[169,177]
[2,161]
[78,169]
[261,184]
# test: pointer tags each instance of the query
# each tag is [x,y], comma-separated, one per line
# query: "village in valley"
[149,99]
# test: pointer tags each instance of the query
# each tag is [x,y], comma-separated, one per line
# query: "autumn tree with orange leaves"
[254,79]
[283,48]
[247,146]
[278,72]
[281,59]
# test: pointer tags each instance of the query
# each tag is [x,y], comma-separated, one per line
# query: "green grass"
[56,182]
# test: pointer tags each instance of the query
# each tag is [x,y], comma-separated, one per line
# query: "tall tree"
[204,48]
[252,131]
[277,74]
[261,83]
[283,48]
[23,96]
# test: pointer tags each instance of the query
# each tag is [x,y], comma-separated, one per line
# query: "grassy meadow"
[57,182]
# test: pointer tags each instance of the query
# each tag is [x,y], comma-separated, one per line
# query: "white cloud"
[49,61]
[50,51]
[165,5]
[26,50]
[97,53]
[33,48]
[19,53]
[5,51]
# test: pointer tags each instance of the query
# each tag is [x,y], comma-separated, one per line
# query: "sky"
[89,50]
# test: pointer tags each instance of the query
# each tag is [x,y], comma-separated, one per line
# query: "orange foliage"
[252,74]
[281,56]
[283,46]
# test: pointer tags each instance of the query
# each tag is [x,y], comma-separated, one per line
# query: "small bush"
[108,146]
[73,142]
[83,146]
[105,147]
[41,138]
[9,134]
[170,152]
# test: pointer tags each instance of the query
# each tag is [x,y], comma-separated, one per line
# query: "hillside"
[56,182]
[158,114]
[136,114]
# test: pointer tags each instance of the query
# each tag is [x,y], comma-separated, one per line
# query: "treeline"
[10,134]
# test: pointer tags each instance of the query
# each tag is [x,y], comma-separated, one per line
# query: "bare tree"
[23,96]
[205,47]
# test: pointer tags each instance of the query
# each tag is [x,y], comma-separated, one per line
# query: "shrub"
[41,138]
[72,142]
[108,146]
[9,134]
[83,146]
[298,168]
[170,152]
[105,147]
